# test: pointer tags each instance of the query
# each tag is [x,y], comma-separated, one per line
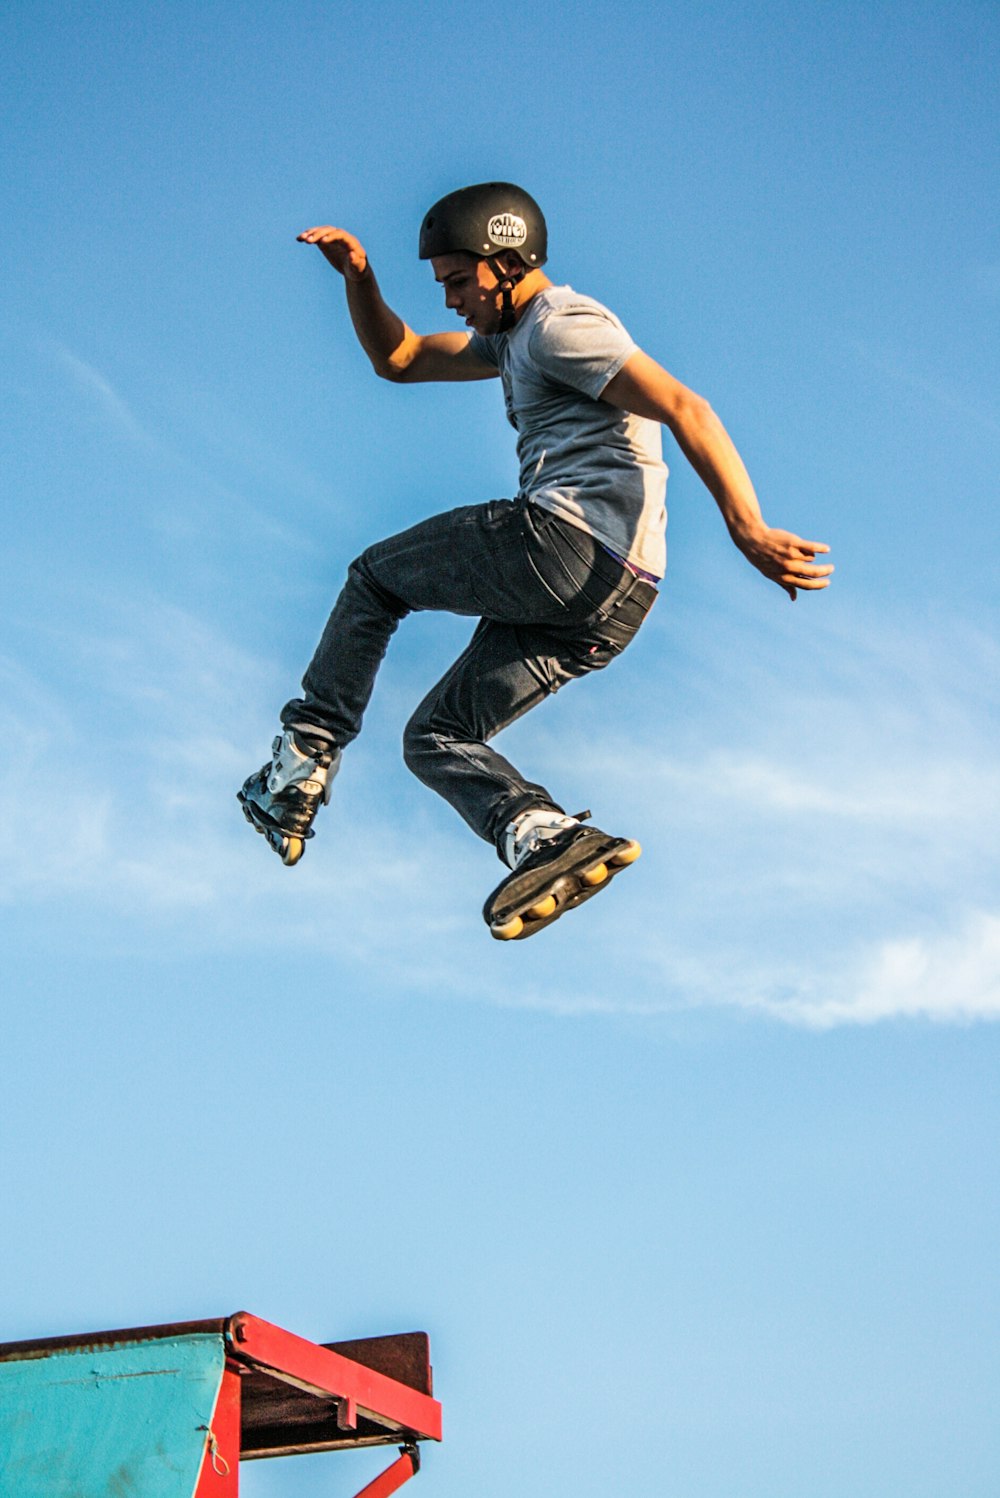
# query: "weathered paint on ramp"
[126,1421]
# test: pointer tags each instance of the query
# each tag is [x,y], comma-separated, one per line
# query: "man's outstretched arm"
[395,351]
[645,388]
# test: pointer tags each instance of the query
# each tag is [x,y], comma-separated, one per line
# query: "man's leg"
[556,862]
[502,563]
[468,561]
[510,666]
[505,670]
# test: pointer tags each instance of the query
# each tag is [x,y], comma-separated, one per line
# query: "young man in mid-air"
[560,578]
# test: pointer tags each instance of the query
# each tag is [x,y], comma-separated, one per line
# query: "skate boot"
[282,799]
[557,863]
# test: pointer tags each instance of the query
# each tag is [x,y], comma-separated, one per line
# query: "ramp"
[170,1411]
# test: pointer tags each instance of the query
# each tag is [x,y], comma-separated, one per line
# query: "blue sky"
[696,1193]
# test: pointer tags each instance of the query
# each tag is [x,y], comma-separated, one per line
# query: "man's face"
[470,290]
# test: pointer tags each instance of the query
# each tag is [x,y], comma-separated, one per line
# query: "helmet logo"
[508,230]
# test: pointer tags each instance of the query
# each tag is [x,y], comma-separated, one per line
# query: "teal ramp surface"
[126,1421]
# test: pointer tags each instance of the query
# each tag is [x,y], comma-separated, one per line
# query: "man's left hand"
[785,558]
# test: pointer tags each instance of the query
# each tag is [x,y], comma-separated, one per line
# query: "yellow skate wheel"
[595,876]
[543,908]
[292,851]
[507,930]
[627,855]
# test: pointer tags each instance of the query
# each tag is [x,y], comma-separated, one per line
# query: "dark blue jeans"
[552,605]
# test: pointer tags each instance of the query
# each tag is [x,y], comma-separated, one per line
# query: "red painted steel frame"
[318,1369]
[403,1468]
[220,1466]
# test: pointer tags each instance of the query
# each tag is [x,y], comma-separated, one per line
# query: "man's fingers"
[799,558]
[796,580]
[324,234]
[805,551]
[795,567]
[811,547]
[788,560]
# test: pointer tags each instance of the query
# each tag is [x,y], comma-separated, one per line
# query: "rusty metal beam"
[320,1371]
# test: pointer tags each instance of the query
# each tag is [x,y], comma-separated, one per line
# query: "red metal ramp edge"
[281,1394]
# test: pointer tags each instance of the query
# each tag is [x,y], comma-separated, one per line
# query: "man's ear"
[512,263]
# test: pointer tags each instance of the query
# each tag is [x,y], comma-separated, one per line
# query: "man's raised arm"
[645,388]
[395,351]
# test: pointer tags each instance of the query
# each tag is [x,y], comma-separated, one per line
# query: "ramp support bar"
[406,1465]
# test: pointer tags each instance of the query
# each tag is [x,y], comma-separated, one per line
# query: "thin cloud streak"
[919,793]
[165,707]
[952,978]
[942,393]
[121,422]
[113,409]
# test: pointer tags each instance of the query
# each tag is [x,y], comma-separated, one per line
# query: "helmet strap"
[506,280]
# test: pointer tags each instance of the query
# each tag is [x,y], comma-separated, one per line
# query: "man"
[560,578]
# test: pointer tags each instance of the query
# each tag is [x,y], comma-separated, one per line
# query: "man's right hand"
[395,351]
[344,252]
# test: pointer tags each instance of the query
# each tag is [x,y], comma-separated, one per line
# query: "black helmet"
[484,220]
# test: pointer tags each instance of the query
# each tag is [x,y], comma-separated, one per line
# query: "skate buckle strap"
[531,830]
[292,767]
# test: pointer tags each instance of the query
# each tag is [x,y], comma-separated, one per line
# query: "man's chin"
[483,324]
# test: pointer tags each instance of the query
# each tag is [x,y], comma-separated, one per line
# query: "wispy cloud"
[865,792]
[944,393]
[169,717]
[849,879]
[106,401]
[115,414]
[953,977]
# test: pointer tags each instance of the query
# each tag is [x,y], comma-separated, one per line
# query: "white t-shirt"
[598,467]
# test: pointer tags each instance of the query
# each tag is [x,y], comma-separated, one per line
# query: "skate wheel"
[292,851]
[627,855]
[543,908]
[507,930]
[595,876]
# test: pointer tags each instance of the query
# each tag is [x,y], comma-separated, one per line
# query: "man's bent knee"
[419,746]
[362,574]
